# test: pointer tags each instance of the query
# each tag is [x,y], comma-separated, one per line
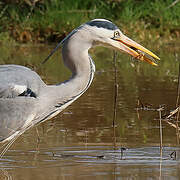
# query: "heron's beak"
[136,50]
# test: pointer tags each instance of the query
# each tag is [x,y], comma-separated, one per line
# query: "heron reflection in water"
[25,100]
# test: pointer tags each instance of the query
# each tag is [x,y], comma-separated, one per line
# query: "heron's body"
[26,100]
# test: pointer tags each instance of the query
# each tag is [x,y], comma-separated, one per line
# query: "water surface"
[81,143]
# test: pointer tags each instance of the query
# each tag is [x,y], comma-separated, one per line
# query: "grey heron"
[25,100]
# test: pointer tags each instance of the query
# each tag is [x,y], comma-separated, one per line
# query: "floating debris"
[173,155]
[147,106]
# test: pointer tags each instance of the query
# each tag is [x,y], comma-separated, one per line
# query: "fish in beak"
[134,49]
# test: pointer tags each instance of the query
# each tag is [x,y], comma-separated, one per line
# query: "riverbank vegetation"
[51,20]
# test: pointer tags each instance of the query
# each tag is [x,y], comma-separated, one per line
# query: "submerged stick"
[172,113]
[177,127]
[177,104]
[115,99]
[178,89]
[160,129]
[115,88]
[172,125]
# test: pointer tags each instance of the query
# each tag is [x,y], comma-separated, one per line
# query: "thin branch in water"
[177,126]
[177,104]
[115,89]
[172,125]
[172,113]
[160,128]
[115,99]
[137,109]
[178,89]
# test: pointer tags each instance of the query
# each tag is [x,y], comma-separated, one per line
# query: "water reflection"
[79,143]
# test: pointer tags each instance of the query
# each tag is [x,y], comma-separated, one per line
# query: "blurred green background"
[51,20]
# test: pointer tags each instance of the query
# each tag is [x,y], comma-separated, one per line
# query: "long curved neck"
[61,95]
[82,68]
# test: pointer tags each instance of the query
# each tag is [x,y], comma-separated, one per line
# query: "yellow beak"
[136,50]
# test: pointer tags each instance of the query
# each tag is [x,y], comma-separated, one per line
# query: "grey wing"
[19,81]
[19,89]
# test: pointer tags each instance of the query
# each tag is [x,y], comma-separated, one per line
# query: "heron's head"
[101,31]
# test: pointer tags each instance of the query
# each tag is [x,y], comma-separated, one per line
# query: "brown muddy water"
[81,143]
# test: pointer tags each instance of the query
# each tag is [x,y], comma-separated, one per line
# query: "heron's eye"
[116,34]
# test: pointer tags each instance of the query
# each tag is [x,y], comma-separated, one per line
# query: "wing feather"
[19,81]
